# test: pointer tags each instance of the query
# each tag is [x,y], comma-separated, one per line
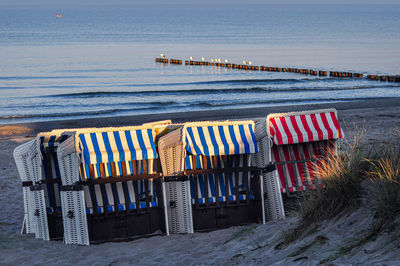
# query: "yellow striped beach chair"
[112,187]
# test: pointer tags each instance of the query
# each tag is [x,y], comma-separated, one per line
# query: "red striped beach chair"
[112,187]
[208,176]
[297,143]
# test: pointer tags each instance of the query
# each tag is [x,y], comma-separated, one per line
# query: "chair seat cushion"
[121,207]
[222,199]
[51,210]
[96,192]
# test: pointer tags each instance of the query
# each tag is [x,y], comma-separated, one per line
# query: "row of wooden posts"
[311,72]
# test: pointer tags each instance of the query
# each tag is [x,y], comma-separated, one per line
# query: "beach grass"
[383,192]
[342,176]
[360,175]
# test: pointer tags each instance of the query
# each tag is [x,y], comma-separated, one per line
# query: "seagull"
[244,62]
[249,63]
[226,60]
[191,58]
[203,59]
[162,55]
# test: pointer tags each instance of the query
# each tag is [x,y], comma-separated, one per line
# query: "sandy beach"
[377,116]
[253,244]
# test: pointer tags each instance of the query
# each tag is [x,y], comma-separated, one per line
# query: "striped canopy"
[117,146]
[304,127]
[51,141]
[220,139]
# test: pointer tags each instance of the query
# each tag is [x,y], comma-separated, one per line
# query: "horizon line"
[203,4]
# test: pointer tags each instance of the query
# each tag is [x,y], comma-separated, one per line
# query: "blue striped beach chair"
[46,189]
[112,187]
[210,183]
[43,211]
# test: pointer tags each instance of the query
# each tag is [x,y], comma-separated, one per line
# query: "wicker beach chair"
[208,176]
[296,143]
[26,170]
[46,187]
[47,184]
[112,188]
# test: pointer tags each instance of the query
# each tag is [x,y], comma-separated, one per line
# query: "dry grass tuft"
[342,175]
[383,192]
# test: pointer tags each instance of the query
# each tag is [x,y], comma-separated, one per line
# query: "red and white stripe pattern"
[299,176]
[303,127]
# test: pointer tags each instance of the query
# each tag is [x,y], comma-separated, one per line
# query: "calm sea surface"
[99,61]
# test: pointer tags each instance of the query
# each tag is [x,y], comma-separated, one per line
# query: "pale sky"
[141,2]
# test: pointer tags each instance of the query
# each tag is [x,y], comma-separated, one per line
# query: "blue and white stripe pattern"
[121,200]
[221,139]
[48,144]
[133,150]
[218,140]
[51,170]
[51,141]
[210,182]
[116,146]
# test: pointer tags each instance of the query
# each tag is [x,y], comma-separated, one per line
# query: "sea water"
[99,61]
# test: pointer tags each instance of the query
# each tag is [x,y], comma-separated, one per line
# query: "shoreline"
[349,112]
